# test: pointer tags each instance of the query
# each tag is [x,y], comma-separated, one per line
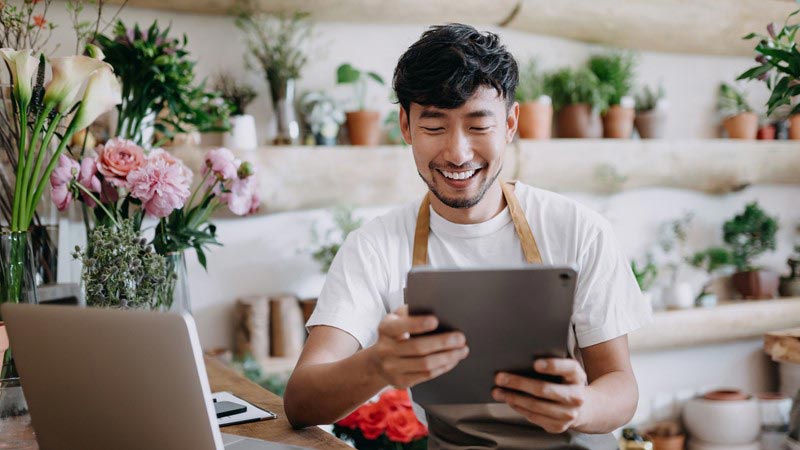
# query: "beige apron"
[494,425]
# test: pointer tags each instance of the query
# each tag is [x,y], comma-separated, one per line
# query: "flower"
[95,52]
[117,158]
[103,92]
[23,66]
[222,162]
[241,196]
[402,426]
[88,179]
[351,421]
[162,187]
[395,399]
[69,75]
[60,179]
[40,21]
[372,420]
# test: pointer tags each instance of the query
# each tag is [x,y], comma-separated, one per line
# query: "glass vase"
[283,98]
[175,298]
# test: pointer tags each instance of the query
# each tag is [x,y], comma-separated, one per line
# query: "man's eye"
[433,130]
[481,128]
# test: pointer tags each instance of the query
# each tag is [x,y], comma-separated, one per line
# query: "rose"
[395,399]
[350,421]
[117,158]
[402,426]
[372,420]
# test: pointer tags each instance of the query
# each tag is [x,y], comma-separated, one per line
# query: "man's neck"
[490,205]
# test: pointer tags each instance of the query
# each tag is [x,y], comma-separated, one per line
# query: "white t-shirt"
[368,275]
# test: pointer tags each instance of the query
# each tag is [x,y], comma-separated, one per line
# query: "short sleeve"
[351,298]
[608,302]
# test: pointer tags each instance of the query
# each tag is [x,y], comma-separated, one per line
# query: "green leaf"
[755,72]
[376,77]
[750,36]
[346,73]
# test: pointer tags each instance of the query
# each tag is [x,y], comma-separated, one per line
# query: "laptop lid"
[103,378]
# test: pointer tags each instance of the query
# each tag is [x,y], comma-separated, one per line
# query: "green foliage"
[394,134]
[237,94]
[347,74]
[531,83]
[645,276]
[749,234]
[329,245]
[186,228]
[615,72]
[122,271]
[778,65]
[731,101]
[571,87]
[647,98]
[712,259]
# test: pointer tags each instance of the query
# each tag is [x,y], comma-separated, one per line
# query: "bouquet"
[389,423]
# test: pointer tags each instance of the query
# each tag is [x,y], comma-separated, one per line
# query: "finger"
[428,363]
[549,425]
[569,394]
[554,411]
[569,369]
[402,311]
[401,327]
[426,345]
[415,378]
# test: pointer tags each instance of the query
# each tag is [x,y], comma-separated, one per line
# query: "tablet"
[510,316]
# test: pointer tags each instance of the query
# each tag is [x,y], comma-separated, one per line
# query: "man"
[456,88]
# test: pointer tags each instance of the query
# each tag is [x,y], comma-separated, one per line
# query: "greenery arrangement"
[330,243]
[122,271]
[645,276]
[322,113]
[647,98]
[672,237]
[573,86]
[347,74]
[238,95]
[731,101]
[531,84]
[778,65]
[615,72]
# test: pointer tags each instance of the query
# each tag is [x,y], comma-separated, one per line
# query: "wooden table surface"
[223,378]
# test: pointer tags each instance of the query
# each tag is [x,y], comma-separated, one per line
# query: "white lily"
[103,92]
[69,75]
[23,66]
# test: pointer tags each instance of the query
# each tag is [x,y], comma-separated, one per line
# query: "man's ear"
[405,125]
[512,121]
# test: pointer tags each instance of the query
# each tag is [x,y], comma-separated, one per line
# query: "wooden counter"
[223,378]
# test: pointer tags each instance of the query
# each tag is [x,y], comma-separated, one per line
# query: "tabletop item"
[723,417]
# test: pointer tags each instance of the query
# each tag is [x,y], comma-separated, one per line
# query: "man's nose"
[459,149]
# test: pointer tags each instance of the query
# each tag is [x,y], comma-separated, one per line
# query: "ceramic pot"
[668,442]
[723,418]
[364,127]
[741,126]
[789,378]
[756,284]
[766,133]
[650,124]
[775,409]
[618,122]
[794,126]
[242,135]
[790,285]
[696,444]
[578,121]
[678,296]
[536,119]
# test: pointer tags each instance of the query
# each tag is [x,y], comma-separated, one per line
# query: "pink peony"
[162,187]
[160,153]
[242,195]
[222,162]
[88,179]
[62,176]
[117,158]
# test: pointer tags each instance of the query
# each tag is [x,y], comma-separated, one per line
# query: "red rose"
[372,420]
[395,399]
[351,421]
[402,426]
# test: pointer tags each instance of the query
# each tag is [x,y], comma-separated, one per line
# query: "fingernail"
[501,379]
[498,395]
[430,323]
[457,340]
[540,365]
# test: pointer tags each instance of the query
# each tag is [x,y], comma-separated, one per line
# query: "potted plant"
[275,44]
[615,72]
[672,238]
[651,112]
[666,436]
[645,277]
[779,67]
[578,97]
[323,115]
[535,106]
[738,118]
[242,135]
[363,125]
[712,260]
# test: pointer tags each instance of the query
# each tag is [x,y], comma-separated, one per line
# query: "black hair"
[449,63]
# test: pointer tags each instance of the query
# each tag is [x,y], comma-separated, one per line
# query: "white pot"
[678,296]
[242,135]
[722,422]
[694,444]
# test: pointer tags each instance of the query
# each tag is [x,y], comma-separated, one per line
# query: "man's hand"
[403,360]
[554,407]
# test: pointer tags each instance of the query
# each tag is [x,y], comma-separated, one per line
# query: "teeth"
[458,175]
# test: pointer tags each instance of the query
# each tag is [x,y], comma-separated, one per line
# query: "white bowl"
[695,444]
[731,422]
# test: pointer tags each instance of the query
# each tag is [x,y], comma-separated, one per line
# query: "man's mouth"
[460,175]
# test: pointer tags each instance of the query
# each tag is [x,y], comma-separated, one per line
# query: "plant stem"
[202,182]
[89,193]
[16,218]
[52,165]
[43,150]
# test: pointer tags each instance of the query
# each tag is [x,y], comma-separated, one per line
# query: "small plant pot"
[794,126]
[242,135]
[535,120]
[756,284]
[651,124]
[668,442]
[741,126]
[578,121]
[618,122]
[766,133]
[364,127]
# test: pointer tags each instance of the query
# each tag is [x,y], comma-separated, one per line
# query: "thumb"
[402,311]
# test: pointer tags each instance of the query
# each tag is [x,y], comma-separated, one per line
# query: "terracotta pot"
[618,122]
[578,121]
[668,442]
[535,120]
[726,395]
[650,124]
[756,284]
[794,126]
[364,127]
[766,133]
[741,126]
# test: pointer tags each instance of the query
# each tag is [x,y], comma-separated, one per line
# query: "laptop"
[97,379]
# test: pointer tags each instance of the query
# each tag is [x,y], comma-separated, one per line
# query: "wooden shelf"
[293,178]
[725,322]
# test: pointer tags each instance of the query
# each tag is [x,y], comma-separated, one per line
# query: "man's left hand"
[552,406]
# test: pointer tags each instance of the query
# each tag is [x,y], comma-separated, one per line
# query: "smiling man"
[456,88]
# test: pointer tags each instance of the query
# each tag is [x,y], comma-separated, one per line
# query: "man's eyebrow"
[431,114]
[481,113]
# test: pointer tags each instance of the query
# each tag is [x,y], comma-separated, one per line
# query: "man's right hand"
[404,360]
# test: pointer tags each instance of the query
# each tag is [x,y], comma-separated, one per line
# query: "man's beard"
[461,203]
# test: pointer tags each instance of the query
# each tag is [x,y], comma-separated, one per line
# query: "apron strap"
[420,256]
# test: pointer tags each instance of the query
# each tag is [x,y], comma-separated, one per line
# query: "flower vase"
[283,92]
[176,296]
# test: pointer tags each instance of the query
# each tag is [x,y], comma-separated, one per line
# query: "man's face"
[459,152]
